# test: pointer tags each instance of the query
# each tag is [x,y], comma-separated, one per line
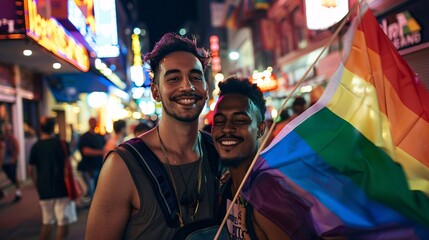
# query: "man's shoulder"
[84,135]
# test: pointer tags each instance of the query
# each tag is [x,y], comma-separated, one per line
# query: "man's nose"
[228,127]
[187,85]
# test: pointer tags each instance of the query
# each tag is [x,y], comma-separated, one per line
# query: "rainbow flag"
[360,155]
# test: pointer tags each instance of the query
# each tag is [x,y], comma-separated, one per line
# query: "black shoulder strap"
[159,178]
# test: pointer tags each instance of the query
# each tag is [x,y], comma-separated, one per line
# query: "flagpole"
[334,36]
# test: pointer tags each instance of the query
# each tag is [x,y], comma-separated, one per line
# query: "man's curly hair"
[170,43]
[244,87]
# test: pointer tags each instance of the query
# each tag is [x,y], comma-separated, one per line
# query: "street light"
[234,55]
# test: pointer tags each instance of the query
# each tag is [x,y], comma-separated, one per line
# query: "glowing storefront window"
[321,14]
[50,34]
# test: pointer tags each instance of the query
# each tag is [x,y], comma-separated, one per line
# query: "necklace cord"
[199,180]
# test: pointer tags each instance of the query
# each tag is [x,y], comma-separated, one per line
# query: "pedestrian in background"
[141,128]
[91,146]
[9,158]
[299,105]
[119,133]
[46,168]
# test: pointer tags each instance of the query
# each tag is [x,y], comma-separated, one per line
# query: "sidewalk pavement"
[23,220]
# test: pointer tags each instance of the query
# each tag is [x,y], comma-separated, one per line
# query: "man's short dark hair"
[244,87]
[119,125]
[141,127]
[169,43]
[47,125]
[299,101]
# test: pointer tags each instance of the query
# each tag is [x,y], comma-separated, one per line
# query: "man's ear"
[261,128]
[154,88]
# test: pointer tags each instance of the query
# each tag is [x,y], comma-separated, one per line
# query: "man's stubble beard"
[231,162]
[182,119]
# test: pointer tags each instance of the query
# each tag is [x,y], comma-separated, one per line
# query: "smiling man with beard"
[237,124]
[126,204]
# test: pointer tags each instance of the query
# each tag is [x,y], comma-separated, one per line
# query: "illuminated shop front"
[47,60]
[407,26]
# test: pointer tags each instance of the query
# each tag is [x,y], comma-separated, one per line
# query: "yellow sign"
[52,36]
[135,46]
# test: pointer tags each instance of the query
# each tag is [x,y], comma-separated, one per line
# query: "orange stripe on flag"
[402,78]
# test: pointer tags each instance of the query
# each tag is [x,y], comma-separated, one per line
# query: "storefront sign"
[73,17]
[11,19]
[106,29]
[51,35]
[408,26]
[323,14]
[265,80]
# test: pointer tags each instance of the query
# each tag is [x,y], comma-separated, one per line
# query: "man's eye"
[196,78]
[217,122]
[173,79]
[240,121]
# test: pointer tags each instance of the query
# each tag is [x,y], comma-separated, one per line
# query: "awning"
[67,87]
[41,60]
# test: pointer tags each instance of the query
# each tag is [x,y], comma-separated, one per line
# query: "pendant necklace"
[186,199]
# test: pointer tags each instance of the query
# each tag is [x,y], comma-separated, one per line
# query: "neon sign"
[265,80]
[136,70]
[107,29]
[135,46]
[214,48]
[402,29]
[324,13]
[51,35]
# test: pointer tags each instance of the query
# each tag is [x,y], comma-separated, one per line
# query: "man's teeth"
[186,101]
[228,143]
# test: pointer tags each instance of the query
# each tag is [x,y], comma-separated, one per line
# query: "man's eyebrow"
[234,113]
[196,71]
[172,71]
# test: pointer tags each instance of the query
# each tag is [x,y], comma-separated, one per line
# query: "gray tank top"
[149,222]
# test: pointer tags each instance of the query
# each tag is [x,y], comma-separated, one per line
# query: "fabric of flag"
[360,155]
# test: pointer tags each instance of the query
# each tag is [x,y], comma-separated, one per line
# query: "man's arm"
[112,203]
[269,229]
[91,152]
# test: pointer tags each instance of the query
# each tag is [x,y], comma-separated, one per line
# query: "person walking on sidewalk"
[46,168]
[9,157]
[91,146]
[119,133]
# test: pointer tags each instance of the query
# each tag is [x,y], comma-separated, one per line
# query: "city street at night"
[289,119]
[22,220]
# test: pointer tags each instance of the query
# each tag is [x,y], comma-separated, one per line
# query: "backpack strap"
[159,179]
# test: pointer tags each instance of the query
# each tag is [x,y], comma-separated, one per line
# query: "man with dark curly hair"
[125,205]
[237,124]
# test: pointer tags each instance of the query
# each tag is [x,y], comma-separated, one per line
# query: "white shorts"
[58,210]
